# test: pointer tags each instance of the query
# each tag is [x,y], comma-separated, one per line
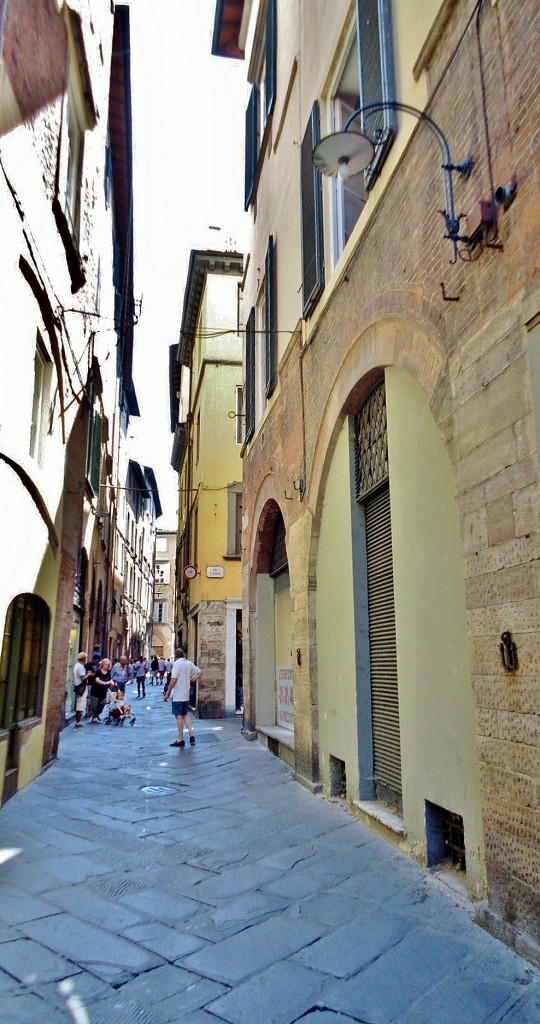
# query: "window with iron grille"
[371,443]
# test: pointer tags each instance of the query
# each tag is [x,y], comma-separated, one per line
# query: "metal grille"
[371,443]
[455,839]
[382,646]
[279,561]
[116,886]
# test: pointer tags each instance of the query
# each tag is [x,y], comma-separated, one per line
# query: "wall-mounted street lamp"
[345,153]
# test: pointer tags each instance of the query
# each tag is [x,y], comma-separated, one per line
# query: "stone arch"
[259,666]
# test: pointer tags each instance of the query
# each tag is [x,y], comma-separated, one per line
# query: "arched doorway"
[272,684]
[22,677]
[396,714]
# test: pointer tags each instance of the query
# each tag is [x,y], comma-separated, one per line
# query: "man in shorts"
[182,674]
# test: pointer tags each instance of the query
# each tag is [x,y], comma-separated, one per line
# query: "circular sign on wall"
[190,572]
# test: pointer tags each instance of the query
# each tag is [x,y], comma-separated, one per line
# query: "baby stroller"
[119,711]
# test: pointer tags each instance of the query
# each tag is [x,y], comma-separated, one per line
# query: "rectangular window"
[312,225]
[251,149]
[75,135]
[250,375]
[270,327]
[163,572]
[198,437]
[376,73]
[234,521]
[40,401]
[161,611]
[261,100]
[349,196]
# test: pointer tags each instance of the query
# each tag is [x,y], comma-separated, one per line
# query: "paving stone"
[240,954]
[461,1001]
[233,882]
[349,948]
[170,944]
[254,1001]
[326,1017]
[89,907]
[99,951]
[162,905]
[72,869]
[234,916]
[253,949]
[526,1010]
[194,997]
[31,963]
[158,984]
[387,987]
[15,907]
[332,909]
[25,1008]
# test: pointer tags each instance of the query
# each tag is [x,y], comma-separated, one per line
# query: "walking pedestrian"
[80,688]
[98,690]
[182,674]
[161,662]
[154,668]
[140,675]
[120,674]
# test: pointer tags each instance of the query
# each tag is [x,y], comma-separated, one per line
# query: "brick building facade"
[450,341]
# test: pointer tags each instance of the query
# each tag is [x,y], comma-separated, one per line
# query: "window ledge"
[232,558]
[382,813]
[276,732]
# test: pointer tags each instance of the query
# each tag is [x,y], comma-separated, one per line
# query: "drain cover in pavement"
[157,790]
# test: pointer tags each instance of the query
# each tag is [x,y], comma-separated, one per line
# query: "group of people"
[97,681]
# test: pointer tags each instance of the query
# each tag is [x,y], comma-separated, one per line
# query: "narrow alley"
[146,884]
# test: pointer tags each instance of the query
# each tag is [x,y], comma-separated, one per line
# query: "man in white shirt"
[182,674]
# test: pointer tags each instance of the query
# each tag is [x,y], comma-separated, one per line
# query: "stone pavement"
[141,884]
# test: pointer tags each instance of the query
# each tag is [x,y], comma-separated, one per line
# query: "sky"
[188,140]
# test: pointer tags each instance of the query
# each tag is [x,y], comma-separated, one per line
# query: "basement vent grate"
[445,837]
[116,886]
[123,1011]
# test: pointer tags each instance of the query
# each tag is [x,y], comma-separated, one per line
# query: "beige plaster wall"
[338,713]
[439,761]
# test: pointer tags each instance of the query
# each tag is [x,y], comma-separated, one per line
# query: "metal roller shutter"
[382,641]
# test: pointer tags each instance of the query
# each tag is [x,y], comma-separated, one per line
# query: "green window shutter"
[270,317]
[251,144]
[250,375]
[312,223]
[93,470]
[270,58]
[376,77]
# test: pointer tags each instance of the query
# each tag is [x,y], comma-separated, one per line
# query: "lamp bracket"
[448,166]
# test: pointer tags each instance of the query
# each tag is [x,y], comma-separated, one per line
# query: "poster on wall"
[285,702]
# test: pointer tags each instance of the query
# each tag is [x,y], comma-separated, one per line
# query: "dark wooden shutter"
[270,58]
[376,77]
[250,375]
[251,144]
[312,225]
[93,454]
[270,317]
[382,643]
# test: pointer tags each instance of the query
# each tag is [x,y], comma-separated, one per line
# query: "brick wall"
[474,367]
